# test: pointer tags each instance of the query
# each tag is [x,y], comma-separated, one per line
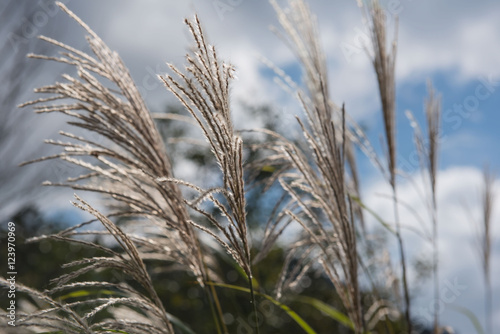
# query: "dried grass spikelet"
[125,166]
[484,240]
[487,200]
[318,188]
[384,63]
[428,157]
[433,117]
[203,89]
[131,263]
[56,317]
[67,316]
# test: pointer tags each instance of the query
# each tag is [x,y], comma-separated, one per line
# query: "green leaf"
[86,293]
[330,311]
[301,322]
[268,169]
[241,272]
[469,314]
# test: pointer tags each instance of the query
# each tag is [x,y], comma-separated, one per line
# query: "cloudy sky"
[453,43]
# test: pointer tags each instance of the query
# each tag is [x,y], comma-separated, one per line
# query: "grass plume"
[155,222]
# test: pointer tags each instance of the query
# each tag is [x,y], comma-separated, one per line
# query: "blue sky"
[454,43]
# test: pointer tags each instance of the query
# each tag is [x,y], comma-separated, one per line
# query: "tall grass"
[384,63]
[157,220]
[484,242]
[428,148]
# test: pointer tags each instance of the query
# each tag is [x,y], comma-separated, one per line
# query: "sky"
[453,43]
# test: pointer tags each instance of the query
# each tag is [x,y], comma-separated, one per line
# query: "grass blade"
[291,313]
[330,311]
[471,316]
[374,214]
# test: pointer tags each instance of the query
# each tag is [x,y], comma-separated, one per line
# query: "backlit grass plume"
[156,229]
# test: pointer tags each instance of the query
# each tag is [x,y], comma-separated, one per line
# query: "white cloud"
[434,36]
[448,36]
